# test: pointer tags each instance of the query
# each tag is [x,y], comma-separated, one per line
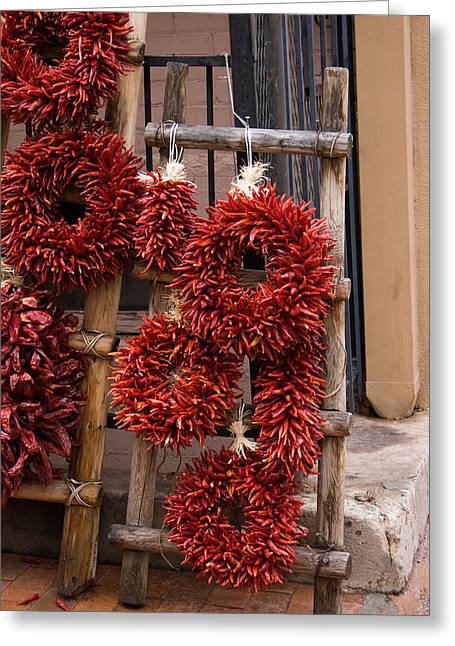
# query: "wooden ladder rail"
[329,564]
[135,564]
[80,531]
[79,543]
[331,479]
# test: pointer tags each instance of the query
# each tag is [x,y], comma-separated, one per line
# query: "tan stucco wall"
[420,68]
[392,92]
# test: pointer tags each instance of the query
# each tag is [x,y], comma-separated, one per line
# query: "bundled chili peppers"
[166,219]
[234,522]
[170,386]
[40,396]
[277,315]
[289,394]
[45,86]
[38,240]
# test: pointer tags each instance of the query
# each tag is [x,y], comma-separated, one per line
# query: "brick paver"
[172,591]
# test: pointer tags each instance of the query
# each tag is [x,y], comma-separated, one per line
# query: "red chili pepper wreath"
[233,522]
[170,386]
[279,313]
[166,219]
[289,394]
[37,239]
[40,397]
[64,92]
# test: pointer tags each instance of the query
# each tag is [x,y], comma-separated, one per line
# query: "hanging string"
[174,154]
[244,121]
[251,174]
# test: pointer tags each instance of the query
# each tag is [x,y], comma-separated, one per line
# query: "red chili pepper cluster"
[279,314]
[170,386]
[166,219]
[289,395]
[37,240]
[234,522]
[40,381]
[49,94]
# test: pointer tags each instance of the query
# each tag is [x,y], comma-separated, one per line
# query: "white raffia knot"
[10,277]
[250,178]
[173,303]
[174,170]
[241,443]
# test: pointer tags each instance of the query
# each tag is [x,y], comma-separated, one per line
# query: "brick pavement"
[171,591]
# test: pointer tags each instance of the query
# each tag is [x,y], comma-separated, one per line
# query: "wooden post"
[79,546]
[5,135]
[135,564]
[330,494]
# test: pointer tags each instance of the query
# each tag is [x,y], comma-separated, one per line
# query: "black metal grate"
[309,44]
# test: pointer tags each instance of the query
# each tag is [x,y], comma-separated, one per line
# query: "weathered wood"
[103,346]
[174,103]
[330,492]
[136,51]
[336,564]
[79,544]
[141,496]
[284,142]
[135,564]
[5,135]
[335,423]
[58,491]
[247,278]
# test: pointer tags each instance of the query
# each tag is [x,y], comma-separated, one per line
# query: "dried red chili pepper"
[33,597]
[289,394]
[40,396]
[46,94]
[166,219]
[37,239]
[234,522]
[62,605]
[171,387]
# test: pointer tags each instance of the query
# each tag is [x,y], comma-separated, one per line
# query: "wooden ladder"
[328,562]
[79,542]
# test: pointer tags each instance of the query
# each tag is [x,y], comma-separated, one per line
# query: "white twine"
[174,168]
[244,121]
[241,444]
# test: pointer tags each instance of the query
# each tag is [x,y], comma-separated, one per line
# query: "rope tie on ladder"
[90,342]
[76,487]
[332,147]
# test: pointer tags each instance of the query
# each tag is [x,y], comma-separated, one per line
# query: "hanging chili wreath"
[45,91]
[166,217]
[41,399]
[289,394]
[38,240]
[170,387]
[277,314]
[233,522]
